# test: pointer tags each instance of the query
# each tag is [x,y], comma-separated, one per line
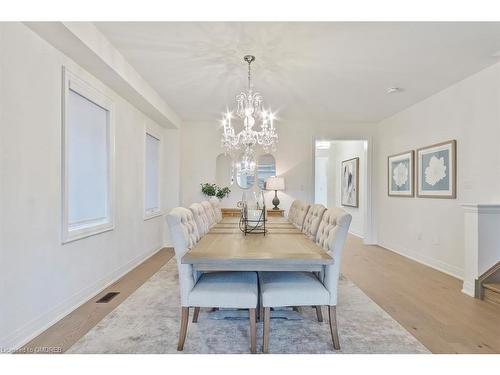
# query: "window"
[152,176]
[87,160]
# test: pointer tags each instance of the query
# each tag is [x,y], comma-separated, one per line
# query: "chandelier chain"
[250,109]
[249,79]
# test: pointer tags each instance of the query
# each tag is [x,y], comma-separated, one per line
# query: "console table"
[236,212]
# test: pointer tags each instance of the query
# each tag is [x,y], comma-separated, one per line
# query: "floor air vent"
[107,297]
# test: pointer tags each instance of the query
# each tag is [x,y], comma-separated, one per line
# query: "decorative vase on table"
[253,213]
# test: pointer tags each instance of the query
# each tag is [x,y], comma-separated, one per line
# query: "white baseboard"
[469,289]
[356,234]
[428,261]
[32,329]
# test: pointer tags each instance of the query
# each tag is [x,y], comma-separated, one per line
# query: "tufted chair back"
[200,217]
[298,212]
[214,201]
[312,220]
[184,235]
[209,211]
[293,209]
[331,236]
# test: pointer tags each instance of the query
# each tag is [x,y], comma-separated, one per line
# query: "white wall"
[42,280]
[345,150]
[431,230]
[322,180]
[294,157]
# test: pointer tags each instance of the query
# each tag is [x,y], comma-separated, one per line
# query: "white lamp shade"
[275,183]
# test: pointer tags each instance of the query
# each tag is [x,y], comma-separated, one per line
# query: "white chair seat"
[225,289]
[292,289]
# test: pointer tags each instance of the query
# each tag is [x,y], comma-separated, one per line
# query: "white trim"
[74,83]
[474,246]
[149,214]
[369,236]
[468,289]
[481,208]
[356,234]
[438,265]
[41,323]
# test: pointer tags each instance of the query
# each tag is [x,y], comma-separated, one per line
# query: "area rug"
[148,322]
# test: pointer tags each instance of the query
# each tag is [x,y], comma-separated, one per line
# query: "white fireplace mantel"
[482,242]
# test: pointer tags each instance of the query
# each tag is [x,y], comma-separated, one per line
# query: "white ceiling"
[329,71]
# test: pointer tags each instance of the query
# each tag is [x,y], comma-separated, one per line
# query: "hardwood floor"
[62,335]
[428,303]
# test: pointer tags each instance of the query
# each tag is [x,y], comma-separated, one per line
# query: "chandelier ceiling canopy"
[250,110]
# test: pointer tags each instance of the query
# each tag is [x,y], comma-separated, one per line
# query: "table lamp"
[275,183]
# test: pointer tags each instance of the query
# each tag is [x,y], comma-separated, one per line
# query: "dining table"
[283,248]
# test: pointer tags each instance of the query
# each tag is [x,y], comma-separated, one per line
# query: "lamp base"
[276,200]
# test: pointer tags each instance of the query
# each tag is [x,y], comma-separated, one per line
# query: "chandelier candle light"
[250,109]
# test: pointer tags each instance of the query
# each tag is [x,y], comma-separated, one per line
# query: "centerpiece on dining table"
[253,213]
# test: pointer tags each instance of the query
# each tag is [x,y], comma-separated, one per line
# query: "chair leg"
[332,314]
[253,331]
[267,319]
[319,314]
[184,326]
[195,314]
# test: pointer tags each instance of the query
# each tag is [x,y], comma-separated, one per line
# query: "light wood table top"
[283,248]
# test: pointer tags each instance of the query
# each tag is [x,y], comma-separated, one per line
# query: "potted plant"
[213,190]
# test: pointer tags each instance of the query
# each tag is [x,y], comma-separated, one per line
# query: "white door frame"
[369,237]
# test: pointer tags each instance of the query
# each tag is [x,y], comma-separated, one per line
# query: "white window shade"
[152,175]
[87,161]
[88,152]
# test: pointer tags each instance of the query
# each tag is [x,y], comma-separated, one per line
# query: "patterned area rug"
[148,322]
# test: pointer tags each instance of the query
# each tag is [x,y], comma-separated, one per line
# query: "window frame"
[73,82]
[148,130]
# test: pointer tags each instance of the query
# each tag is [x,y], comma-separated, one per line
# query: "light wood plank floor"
[428,303]
[63,334]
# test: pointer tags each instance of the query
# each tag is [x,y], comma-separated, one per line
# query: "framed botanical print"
[437,170]
[350,182]
[400,174]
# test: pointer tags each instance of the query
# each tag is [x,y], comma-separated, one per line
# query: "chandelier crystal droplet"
[249,109]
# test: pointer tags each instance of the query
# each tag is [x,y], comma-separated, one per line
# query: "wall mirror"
[245,171]
[266,168]
[224,173]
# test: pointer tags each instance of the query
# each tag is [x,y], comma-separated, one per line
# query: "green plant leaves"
[211,190]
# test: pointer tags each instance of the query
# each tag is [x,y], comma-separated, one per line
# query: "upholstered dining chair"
[298,212]
[200,218]
[280,289]
[214,201]
[237,290]
[312,220]
[209,211]
[292,209]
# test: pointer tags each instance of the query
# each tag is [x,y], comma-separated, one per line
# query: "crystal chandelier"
[249,108]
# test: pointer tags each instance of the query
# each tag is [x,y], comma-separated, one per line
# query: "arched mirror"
[224,174]
[266,168]
[245,170]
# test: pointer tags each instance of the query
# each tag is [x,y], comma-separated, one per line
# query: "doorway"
[341,179]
